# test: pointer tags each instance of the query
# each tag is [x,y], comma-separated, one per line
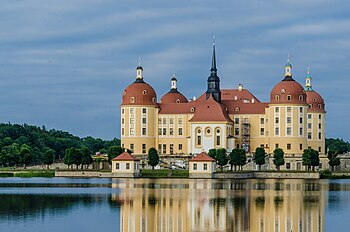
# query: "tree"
[48,157]
[67,160]
[259,156]
[278,158]
[311,158]
[25,155]
[76,156]
[113,152]
[237,157]
[212,153]
[9,155]
[86,158]
[153,158]
[315,159]
[221,157]
[333,159]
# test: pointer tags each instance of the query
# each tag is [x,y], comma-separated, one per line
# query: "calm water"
[63,204]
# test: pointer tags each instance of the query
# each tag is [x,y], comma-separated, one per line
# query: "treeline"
[26,144]
[338,145]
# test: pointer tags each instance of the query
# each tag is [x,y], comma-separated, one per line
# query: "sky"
[64,64]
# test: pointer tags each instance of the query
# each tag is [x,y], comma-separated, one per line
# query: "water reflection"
[213,205]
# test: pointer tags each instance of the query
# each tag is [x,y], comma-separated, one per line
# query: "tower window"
[177,100]
[314,100]
[132,100]
[237,109]
[144,92]
[198,137]
[289,97]
[192,109]
[277,98]
[301,98]
[289,146]
[154,99]
[319,106]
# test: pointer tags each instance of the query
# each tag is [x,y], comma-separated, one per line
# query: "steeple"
[308,86]
[173,83]
[288,70]
[213,79]
[139,70]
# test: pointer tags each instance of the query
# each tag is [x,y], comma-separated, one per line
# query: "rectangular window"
[277,109]
[289,146]
[143,120]
[319,126]
[132,131]
[132,121]
[309,116]
[122,111]
[171,131]
[237,131]
[289,131]
[218,140]
[171,120]
[262,121]
[300,109]
[180,121]
[319,149]
[319,135]
[289,109]
[122,131]
[144,148]
[301,147]
[194,166]
[132,147]
[277,131]
[159,131]
[144,131]
[117,166]
[180,131]
[164,148]
[289,119]
[171,149]
[309,125]
[159,148]
[262,131]
[159,121]
[127,166]
[164,131]
[277,120]
[180,146]
[205,167]
[319,116]
[122,120]
[132,111]
[301,131]
[276,145]
[309,136]
[143,110]
[288,166]
[236,120]
[300,120]
[164,121]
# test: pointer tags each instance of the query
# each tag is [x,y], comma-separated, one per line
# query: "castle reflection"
[214,205]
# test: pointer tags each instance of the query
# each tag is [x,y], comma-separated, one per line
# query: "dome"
[173,96]
[288,91]
[315,101]
[139,93]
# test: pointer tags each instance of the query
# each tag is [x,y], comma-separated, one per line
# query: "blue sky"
[64,64]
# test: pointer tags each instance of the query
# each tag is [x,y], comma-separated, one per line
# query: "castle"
[293,119]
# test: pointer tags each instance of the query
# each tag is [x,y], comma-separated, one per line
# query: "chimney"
[240,87]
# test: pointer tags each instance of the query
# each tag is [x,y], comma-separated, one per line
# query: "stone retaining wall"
[267,175]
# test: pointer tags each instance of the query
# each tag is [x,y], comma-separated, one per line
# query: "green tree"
[67,160]
[333,159]
[311,158]
[113,152]
[221,157]
[25,155]
[86,157]
[259,156]
[10,155]
[212,153]
[48,157]
[153,157]
[315,159]
[278,158]
[76,156]
[237,157]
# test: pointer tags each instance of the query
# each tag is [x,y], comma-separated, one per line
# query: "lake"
[67,204]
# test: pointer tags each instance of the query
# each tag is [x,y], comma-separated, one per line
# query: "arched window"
[144,92]
[289,97]
[198,137]
[192,109]
[320,106]
[177,100]
[315,100]
[301,98]
[154,100]
[132,100]
[277,98]
[217,137]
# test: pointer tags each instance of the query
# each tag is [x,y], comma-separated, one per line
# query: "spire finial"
[214,40]
[308,70]
[213,61]
[288,59]
[139,61]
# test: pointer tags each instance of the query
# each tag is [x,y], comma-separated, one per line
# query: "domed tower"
[315,117]
[173,96]
[287,116]
[138,112]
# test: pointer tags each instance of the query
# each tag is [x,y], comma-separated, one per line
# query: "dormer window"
[144,92]
[283,91]
[320,106]
[177,100]
[289,97]
[237,109]
[192,109]
[277,98]
[314,100]
[310,106]
[301,98]
[132,100]
[154,100]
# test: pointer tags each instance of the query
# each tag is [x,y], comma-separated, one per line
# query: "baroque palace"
[293,119]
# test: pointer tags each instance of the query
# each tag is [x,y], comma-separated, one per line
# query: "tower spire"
[308,86]
[213,79]
[288,70]
[213,59]
[139,70]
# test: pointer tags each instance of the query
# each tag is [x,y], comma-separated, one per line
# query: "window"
[319,135]
[132,110]
[136,166]
[199,137]
[192,109]
[132,100]
[218,137]
[180,146]
[319,116]
[117,166]
[236,120]
[177,100]
[132,120]
[164,148]
[171,131]
[289,130]
[122,111]
[132,131]
[127,166]
[144,92]
[159,131]
[276,145]
[308,116]
[277,120]
[164,121]
[171,120]
[289,146]
[289,119]
[301,98]
[301,147]
[144,110]
[205,166]
[262,121]
[277,98]
[144,148]
[289,97]
[143,120]
[171,149]
[300,120]
[194,166]
[289,109]
[237,131]
[319,126]
[319,149]
[262,145]
[132,147]
[288,166]
[207,131]
[301,131]
[159,148]
[180,121]
[180,131]
[310,106]
[262,131]
[159,121]
[277,109]
[277,131]
[300,109]
[309,125]
[122,131]
[122,120]
[144,131]
[309,136]
[164,131]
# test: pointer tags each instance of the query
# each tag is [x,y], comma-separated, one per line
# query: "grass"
[164,173]
[28,174]
[326,174]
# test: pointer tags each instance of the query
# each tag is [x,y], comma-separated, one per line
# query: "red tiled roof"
[239,107]
[210,111]
[314,99]
[142,93]
[125,157]
[288,88]
[172,97]
[202,157]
